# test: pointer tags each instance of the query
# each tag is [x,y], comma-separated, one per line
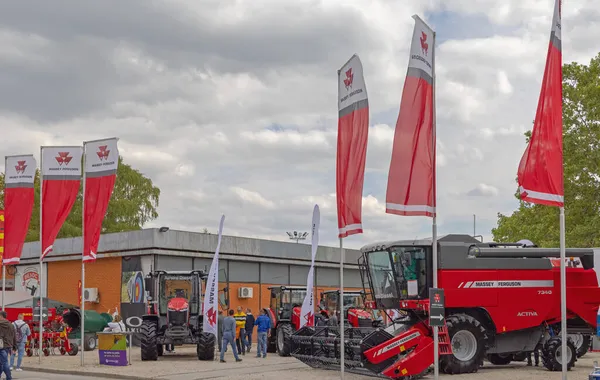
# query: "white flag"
[307,313]
[211,295]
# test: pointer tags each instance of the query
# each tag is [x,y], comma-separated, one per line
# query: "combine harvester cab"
[501,301]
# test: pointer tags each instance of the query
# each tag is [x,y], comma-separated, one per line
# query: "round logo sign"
[30,280]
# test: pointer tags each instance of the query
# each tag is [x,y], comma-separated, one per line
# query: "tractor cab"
[284,312]
[353,307]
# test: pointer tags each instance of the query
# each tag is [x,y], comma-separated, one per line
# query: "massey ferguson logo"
[103,152]
[424,44]
[63,158]
[436,297]
[20,167]
[349,78]
[212,316]
[310,318]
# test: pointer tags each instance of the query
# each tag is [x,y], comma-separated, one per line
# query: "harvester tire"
[284,339]
[148,341]
[497,359]
[550,353]
[583,343]
[469,341]
[205,349]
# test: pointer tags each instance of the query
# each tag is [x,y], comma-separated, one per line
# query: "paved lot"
[183,365]
[28,375]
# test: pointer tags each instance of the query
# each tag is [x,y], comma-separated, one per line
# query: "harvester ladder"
[365,277]
[444,344]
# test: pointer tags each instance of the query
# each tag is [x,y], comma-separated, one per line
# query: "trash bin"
[94,322]
[112,349]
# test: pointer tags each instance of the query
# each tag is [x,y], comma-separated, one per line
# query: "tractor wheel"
[74,349]
[272,342]
[469,342]
[284,339]
[583,343]
[89,342]
[205,349]
[552,354]
[148,341]
[160,349]
[498,359]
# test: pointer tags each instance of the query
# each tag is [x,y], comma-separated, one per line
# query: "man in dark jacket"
[220,319]
[8,341]
[249,329]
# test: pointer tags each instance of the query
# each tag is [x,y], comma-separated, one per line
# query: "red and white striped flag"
[353,130]
[411,185]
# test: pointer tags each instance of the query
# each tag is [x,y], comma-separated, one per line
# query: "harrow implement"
[399,351]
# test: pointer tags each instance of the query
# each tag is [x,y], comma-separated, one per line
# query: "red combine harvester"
[355,313]
[501,299]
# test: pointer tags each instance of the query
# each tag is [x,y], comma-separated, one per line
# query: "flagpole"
[563,295]
[41,329]
[82,317]
[341,303]
[434,250]
[4,251]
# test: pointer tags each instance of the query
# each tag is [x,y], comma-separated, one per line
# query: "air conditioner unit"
[245,292]
[91,295]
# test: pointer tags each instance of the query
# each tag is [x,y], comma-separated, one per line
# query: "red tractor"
[284,311]
[355,313]
[174,314]
[500,299]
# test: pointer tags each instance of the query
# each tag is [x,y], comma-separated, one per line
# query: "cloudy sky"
[231,106]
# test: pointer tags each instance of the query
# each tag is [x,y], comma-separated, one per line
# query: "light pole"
[297,235]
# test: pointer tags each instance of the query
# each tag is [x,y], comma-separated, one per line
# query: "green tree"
[133,203]
[581,147]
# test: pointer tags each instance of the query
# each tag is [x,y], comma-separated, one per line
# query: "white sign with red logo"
[421,50]
[30,281]
[307,313]
[20,169]
[61,161]
[351,86]
[211,295]
[101,156]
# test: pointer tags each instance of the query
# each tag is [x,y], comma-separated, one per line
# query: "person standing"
[220,319]
[22,332]
[229,327]
[240,323]
[8,343]
[263,323]
[249,327]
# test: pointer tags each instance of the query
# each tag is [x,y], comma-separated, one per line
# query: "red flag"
[353,130]
[19,178]
[101,163]
[1,234]
[61,177]
[540,174]
[411,187]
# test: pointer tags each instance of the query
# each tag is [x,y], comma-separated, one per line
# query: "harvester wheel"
[469,342]
[284,339]
[497,359]
[205,349]
[583,343]
[552,354]
[74,349]
[148,341]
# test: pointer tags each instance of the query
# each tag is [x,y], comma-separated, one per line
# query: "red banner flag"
[1,234]
[101,163]
[411,187]
[19,179]
[61,177]
[353,130]
[540,174]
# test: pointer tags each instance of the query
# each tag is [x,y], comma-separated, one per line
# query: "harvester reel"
[469,341]
[148,340]
[552,354]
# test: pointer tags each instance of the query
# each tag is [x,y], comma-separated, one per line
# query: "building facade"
[248,267]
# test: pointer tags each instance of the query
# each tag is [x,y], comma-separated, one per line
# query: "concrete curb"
[87,373]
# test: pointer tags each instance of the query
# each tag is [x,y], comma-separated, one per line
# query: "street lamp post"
[297,235]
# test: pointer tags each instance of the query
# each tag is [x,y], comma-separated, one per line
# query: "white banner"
[61,161]
[101,157]
[307,313]
[211,295]
[20,171]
